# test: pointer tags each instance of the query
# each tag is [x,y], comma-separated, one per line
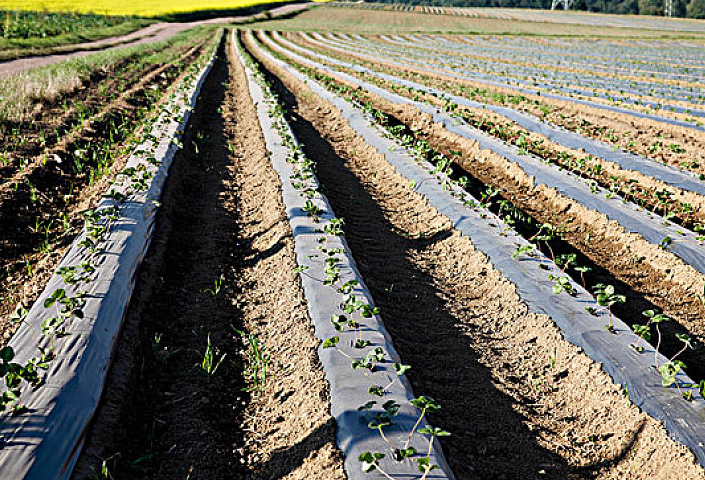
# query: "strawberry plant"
[607,298]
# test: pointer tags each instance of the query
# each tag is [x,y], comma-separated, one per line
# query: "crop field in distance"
[356,241]
[148,8]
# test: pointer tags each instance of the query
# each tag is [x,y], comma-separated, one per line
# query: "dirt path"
[222,217]
[153,33]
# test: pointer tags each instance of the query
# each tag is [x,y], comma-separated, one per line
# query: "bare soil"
[470,340]
[223,215]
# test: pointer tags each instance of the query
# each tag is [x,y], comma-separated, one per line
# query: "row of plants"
[541,237]
[63,307]
[659,201]
[633,91]
[355,312]
[671,148]
[43,199]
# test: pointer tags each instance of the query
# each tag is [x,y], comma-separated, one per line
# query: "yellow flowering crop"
[145,8]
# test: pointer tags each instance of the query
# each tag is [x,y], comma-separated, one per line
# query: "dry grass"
[20,93]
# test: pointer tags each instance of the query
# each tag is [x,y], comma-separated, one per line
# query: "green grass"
[19,93]
[368,21]
[17,46]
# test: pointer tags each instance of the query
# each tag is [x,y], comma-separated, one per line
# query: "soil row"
[643,136]
[222,220]
[648,276]
[683,206]
[517,398]
[488,360]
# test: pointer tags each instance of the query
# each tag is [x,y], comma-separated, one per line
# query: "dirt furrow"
[222,218]
[519,401]
[649,277]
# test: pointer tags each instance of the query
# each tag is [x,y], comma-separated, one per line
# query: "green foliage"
[28,24]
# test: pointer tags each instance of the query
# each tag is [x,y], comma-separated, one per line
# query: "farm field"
[33,33]
[341,17]
[566,17]
[148,8]
[52,36]
[290,249]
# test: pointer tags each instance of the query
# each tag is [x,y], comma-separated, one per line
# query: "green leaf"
[369,460]
[402,453]
[400,369]
[331,342]
[376,390]
[7,354]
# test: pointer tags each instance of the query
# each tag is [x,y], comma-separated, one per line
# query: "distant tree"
[651,7]
[680,8]
[696,9]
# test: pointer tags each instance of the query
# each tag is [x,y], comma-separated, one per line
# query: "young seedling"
[656,319]
[210,363]
[606,298]
[425,404]
[582,270]
[370,463]
[561,284]
[523,249]
[217,285]
[257,361]
[424,464]
[688,395]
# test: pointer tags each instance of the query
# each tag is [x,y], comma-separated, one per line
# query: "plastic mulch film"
[685,421]
[45,441]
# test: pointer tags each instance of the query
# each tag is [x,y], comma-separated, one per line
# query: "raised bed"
[683,420]
[313,224]
[72,328]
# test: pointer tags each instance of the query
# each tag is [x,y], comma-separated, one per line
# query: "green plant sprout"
[210,363]
[217,285]
[257,361]
[607,298]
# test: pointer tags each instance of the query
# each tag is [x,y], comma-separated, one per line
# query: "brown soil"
[635,186]
[470,340]
[222,215]
[35,232]
[648,276]
[628,132]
